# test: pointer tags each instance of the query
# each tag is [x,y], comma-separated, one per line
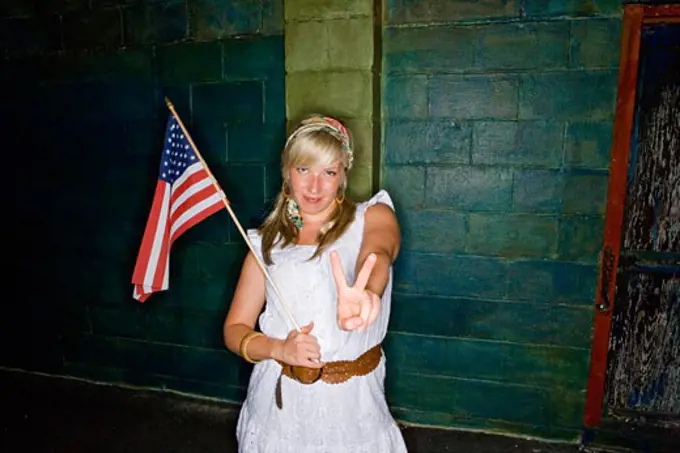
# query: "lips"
[312,200]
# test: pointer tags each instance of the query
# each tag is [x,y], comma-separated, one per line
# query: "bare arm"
[246,306]
[383,239]
[299,348]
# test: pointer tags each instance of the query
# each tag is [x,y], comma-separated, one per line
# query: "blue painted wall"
[83,109]
[497,120]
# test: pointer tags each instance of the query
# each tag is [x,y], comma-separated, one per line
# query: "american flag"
[185,195]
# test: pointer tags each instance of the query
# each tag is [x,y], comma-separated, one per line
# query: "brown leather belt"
[332,372]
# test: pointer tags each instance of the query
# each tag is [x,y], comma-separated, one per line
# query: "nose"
[315,184]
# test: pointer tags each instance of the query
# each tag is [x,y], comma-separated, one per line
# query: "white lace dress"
[321,418]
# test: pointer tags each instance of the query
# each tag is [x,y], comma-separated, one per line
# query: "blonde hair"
[311,143]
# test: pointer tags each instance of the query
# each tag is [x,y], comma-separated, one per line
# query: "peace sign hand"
[358,307]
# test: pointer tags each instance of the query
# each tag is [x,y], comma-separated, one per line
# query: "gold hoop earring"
[285,191]
[339,200]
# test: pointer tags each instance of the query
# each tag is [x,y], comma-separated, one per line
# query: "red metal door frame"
[634,17]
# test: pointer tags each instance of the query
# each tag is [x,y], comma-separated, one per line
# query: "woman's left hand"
[358,307]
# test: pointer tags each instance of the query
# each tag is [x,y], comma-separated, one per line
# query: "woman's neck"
[312,226]
[309,233]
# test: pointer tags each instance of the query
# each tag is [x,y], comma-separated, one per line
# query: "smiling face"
[315,187]
[314,168]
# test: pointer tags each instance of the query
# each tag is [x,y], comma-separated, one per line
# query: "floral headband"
[330,125]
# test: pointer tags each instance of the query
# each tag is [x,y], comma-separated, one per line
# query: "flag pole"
[283,304]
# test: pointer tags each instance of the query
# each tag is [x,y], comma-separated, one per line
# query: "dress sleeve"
[256,241]
[380,197]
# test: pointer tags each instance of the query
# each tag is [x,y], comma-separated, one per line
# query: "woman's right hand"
[301,348]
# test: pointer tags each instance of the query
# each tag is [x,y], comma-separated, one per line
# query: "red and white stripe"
[192,198]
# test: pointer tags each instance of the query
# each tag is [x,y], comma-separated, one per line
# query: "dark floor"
[45,414]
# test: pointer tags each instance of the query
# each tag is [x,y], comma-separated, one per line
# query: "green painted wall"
[330,69]
[497,121]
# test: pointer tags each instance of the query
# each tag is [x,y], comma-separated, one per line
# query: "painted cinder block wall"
[330,69]
[496,124]
[83,109]
[497,120]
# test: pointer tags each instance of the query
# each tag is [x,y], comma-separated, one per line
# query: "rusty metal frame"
[634,17]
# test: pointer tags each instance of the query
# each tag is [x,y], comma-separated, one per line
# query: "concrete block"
[568,95]
[585,193]
[554,281]
[350,43]
[433,231]
[428,316]
[227,102]
[275,101]
[92,30]
[303,10]
[580,238]
[522,46]
[531,143]
[254,58]
[361,131]
[406,185]
[155,23]
[427,11]
[572,8]
[345,94]
[473,97]
[595,43]
[432,49]
[360,183]
[588,144]
[469,188]
[405,96]
[307,45]
[512,235]
[272,17]
[427,142]
[537,191]
[190,62]
[214,19]
[451,275]
[21,36]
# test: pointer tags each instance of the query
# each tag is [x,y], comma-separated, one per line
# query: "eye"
[302,170]
[331,172]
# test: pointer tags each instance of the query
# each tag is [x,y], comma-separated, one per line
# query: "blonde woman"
[320,389]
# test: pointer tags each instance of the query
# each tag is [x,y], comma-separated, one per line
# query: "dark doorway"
[634,385]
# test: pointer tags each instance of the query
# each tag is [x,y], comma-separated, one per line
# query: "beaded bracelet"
[244,345]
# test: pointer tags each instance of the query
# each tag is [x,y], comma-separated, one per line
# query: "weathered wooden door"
[634,386]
